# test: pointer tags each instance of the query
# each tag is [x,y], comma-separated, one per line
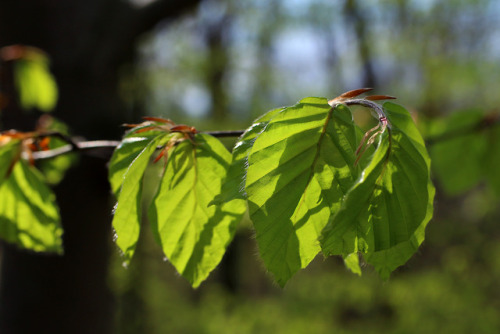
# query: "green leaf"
[351,261]
[36,86]
[194,235]
[300,167]
[385,213]
[123,156]
[234,184]
[29,216]
[9,152]
[127,215]
[458,162]
[55,168]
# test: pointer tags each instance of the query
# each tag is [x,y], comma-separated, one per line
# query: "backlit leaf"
[29,216]
[36,86]
[9,152]
[351,261]
[193,234]
[300,167]
[234,184]
[127,215]
[122,158]
[385,213]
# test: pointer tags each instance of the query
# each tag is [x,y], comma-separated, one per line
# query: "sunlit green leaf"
[234,184]
[194,235]
[36,86]
[127,215]
[8,153]
[351,261]
[300,167]
[29,216]
[385,213]
[122,158]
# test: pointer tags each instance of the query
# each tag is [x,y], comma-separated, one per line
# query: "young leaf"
[233,186]
[29,216]
[122,158]
[194,235]
[300,167]
[127,215]
[385,213]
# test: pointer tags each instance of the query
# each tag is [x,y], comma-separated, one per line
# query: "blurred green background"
[231,61]
[226,62]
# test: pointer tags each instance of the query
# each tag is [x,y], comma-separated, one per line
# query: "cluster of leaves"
[312,181]
[192,234]
[29,216]
[303,175]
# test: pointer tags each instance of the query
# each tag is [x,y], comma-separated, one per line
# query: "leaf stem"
[368,104]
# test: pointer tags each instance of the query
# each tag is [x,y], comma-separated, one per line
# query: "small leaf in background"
[385,213]
[300,167]
[457,160]
[55,168]
[127,215]
[194,235]
[29,216]
[36,85]
[351,261]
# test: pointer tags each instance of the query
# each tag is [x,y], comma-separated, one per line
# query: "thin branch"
[368,104]
[83,146]
[225,134]
[90,146]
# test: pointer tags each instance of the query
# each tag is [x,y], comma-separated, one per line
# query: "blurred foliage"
[35,83]
[438,57]
[54,169]
[271,53]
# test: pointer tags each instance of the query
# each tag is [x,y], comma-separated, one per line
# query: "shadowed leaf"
[385,213]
